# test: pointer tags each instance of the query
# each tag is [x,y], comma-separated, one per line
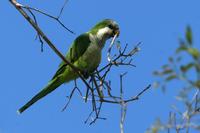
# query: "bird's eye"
[110,26]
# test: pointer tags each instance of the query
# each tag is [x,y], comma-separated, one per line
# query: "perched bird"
[85,54]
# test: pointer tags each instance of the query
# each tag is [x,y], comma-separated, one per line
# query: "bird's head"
[106,29]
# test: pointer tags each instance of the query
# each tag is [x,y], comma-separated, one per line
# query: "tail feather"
[53,84]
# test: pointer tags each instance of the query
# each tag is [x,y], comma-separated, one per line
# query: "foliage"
[184,69]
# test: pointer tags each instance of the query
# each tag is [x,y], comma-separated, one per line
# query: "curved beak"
[116,33]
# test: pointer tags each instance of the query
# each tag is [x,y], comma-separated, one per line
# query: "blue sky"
[25,70]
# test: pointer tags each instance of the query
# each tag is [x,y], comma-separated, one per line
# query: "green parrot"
[84,53]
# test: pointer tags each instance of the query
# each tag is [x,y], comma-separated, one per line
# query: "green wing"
[77,49]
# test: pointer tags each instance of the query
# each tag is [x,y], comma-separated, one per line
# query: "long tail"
[52,85]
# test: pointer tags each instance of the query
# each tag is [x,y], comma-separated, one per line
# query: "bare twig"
[48,15]
[71,94]
[38,35]
[46,39]
[61,11]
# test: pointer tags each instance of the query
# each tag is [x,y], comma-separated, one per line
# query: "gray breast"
[92,56]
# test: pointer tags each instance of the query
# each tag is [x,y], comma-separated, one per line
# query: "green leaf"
[185,68]
[197,66]
[193,52]
[167,71]
[188,35]
[154,130]
[166,66]
[171,77]
[197,84]
[181,48]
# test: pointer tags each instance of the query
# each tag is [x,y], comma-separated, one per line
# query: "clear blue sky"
[25,70]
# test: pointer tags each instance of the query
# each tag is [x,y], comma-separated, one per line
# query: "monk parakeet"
[85,54]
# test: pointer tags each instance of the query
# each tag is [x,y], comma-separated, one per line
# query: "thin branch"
[48,15]
[71,94]
[123,104]
[139,94]
[38,35]
[46,39]
[123,115]
[61,11]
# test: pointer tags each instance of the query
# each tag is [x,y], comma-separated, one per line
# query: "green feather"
[100,25]
[52,85]
[77,49]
